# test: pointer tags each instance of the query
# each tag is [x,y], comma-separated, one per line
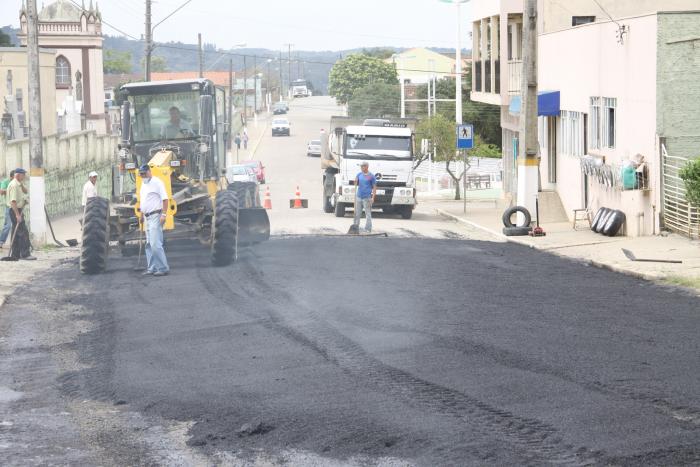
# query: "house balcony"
[486,82]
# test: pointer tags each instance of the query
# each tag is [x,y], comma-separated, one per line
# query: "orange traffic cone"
[267,204]
[297,199]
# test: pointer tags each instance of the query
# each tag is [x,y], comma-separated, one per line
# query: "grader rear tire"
[225,222]
[95,245]
[245,191]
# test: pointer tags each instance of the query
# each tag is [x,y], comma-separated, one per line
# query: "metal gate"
[677,215]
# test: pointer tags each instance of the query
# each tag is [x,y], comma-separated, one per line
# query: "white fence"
[438,178]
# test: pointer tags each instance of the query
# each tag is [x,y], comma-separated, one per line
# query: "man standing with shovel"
[366,190]
[20,247]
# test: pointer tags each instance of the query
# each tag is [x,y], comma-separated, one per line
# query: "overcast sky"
[308,24]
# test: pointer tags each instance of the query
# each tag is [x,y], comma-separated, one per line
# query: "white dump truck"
[387,145]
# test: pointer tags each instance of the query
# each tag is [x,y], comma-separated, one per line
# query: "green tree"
[381,53]
[158,64]
[443,138]
[117,62]
[356,71]
[5,40]
[690,174]
[486,118]
[379,100]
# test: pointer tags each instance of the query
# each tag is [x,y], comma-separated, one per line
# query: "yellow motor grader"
[179,129]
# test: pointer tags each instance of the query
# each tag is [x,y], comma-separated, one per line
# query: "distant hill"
[183,57]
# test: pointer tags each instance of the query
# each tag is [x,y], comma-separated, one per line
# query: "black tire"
[597,217]
[339,209]
[245,192]
[516,231]
[603,220]
[406,212]
[225,228]
[515,209]
[615,222]
[95,241]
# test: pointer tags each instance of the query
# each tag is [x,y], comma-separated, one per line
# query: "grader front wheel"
[95,245]
[225,231]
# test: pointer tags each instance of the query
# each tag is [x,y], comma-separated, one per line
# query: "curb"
[591,262]
[260,138]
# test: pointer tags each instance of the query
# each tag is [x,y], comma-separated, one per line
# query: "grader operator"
[179,129]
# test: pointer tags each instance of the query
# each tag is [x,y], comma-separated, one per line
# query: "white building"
[609,91]
[75,34]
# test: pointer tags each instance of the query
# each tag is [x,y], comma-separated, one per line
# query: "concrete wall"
[587,61]
[678,87]
[15,59]
[67,160]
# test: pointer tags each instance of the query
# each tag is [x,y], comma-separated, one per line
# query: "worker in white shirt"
[153,200]
[90,187]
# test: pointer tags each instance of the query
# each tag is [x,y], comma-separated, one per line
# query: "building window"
[603,125]
[62,71]
[579,20]
[571,139]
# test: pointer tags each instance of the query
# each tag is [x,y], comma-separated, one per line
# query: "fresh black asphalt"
[437,352]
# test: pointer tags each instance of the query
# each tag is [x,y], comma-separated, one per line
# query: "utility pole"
[281,82]
[229,118]
[201,55]
[37,189]
[245,91]
[289,64]
[255,85]
[458,65]
[148,47]
[528,161]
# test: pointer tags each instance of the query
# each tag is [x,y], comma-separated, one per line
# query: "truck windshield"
[369,145]
[163,117]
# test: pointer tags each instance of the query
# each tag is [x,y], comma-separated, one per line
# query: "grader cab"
[179,129]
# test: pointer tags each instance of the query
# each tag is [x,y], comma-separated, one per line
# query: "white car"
[280,126]
[314,148]
[241,173]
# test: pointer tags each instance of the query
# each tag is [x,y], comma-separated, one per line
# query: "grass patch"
[692,282]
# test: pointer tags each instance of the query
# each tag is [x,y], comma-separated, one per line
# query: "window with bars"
[603,124]
[571,133]
[62,71]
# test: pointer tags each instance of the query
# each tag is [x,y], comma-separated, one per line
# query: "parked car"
[240,173]
[314,148]
[280,126]
[258,168]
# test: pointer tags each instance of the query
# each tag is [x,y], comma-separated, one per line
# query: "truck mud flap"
[253,226]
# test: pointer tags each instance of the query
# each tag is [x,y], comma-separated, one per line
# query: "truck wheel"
[507,222]
[406,212]
[95,245]
[339,209]
[225,223]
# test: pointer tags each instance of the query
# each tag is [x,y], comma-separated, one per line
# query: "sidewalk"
[587,246]
[256,132]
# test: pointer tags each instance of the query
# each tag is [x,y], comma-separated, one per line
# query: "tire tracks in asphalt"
[539,440]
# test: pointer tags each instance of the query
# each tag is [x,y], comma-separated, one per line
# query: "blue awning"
[547,104]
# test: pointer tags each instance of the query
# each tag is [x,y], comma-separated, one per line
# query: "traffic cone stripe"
[267,204]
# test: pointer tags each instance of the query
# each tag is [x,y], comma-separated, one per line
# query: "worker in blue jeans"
[366,190]
[153,199]
[7,227]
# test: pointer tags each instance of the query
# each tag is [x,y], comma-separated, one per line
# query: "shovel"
[631,256]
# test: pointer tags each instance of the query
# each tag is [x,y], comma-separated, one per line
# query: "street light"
[149,34]
[458,60]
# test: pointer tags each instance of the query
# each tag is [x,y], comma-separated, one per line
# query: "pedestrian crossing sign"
[465,136]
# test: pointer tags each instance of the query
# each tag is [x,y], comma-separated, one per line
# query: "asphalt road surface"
[332,350]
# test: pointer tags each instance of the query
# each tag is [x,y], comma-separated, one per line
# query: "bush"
[690,174]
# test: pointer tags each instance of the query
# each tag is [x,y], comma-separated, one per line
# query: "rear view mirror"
[205,117]
[126,123]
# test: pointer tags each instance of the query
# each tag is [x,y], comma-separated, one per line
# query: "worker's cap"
[92,174]
[20,170]
[364,164]
[144,168]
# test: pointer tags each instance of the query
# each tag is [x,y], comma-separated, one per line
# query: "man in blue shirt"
[366,190]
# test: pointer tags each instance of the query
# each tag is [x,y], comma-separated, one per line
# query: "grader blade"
[253,225]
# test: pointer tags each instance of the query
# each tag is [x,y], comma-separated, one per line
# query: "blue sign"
[465,136]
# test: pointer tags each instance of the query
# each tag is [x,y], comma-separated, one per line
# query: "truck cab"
[388,147]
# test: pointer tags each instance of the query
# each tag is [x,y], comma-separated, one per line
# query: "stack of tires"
[511,229]
[608,221]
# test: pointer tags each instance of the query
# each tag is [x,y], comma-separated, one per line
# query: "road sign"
[465,136]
